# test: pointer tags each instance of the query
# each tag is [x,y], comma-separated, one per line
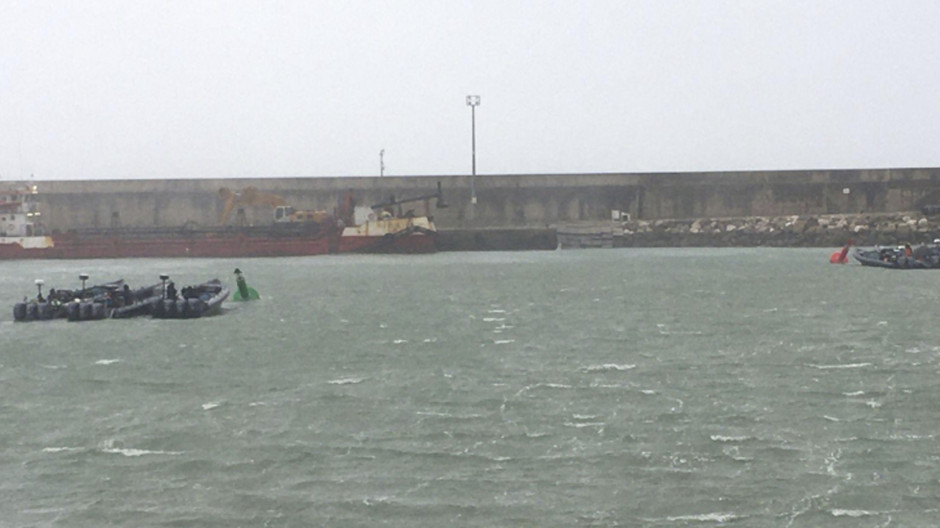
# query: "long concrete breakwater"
[717,208]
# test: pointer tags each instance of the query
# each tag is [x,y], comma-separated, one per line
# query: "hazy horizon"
[211,89]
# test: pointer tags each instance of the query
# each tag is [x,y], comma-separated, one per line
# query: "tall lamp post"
[473,101]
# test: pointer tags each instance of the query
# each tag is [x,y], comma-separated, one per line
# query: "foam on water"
[716,517]
[845,366]
[139,452]
[607,367]
[346,381]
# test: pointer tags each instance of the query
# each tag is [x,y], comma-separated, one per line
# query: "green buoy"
[243,292]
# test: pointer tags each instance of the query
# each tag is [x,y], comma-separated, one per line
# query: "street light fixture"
[473,101]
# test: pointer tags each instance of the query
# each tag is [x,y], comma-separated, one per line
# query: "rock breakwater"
[777,231]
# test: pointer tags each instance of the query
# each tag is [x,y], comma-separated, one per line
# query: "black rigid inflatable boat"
[926,256]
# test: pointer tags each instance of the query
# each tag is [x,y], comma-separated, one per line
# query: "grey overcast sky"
[235,88]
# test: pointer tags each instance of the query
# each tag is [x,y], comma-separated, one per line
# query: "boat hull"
[409,244]
[389,235]
[211,245]
[893,258]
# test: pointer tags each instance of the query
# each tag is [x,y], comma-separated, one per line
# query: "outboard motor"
[46,311]
[196,307]
[19,311]
[169,309]
[74,311]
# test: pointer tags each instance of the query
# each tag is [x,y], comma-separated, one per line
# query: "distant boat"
[902,257]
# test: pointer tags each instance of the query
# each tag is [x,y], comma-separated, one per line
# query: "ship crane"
[391,202]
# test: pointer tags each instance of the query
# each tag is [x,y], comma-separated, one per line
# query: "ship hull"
[190,246]
[207,245]
[409,244]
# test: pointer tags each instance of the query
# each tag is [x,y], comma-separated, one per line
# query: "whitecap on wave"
[705,517]
[841,366]
[346,381]
[607,367]
[581,425]
[553,385]
[852,513]
[543,386]
[116,447]
[722,438]
[107,361]
[210,405]
[60,449]
[128,452]
[438,414]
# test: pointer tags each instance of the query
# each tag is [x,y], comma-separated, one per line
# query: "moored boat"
[135,303]
[381,228]
[925,256]
[116,300]
[76,305]
[193,301]
[21,232]
[386,228]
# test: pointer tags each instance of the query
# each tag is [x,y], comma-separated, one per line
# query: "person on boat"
[171,291]
[54,297]
[908,252]
[115,300]
[128,295]
[39,298]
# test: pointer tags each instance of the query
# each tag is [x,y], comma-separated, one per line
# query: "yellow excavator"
[252,197]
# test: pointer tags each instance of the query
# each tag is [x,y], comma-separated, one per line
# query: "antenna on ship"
[39,283]
[164,277]
[83,277]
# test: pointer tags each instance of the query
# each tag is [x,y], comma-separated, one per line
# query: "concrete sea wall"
[517,202]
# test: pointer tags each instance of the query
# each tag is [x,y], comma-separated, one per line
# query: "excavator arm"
[247,197]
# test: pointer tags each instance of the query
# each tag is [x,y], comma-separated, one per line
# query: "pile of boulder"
[780,231]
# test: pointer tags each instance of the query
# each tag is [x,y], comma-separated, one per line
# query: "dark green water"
[672,387]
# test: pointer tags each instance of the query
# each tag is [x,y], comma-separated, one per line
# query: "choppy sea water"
[636,387]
